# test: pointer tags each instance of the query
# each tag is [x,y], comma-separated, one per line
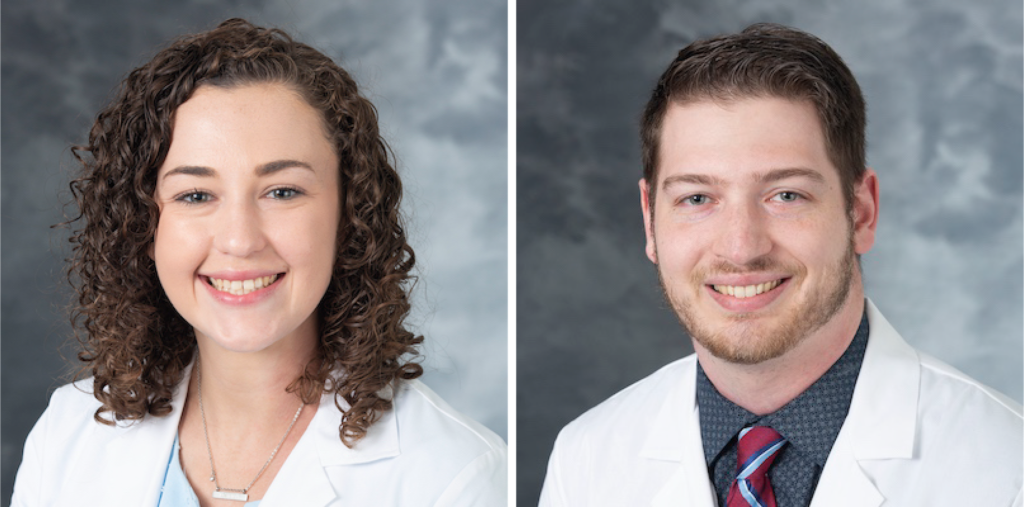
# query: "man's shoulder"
[964,443]
[634,406]
[943,387]
[623,451]
[891,363]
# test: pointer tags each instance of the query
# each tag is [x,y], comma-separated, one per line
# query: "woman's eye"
[283,193]
[194,197]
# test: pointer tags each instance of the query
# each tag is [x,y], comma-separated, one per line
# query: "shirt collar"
[810,422]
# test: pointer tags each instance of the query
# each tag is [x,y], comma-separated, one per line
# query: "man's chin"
[753,349]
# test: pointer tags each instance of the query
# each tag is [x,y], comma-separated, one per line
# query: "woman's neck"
[251,385]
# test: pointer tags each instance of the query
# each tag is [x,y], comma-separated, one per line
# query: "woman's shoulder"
[419,407]
[71,414]
[422,452]
[73,402]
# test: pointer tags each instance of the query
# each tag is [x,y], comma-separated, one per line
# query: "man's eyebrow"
[262,170]
[693,179]
[790,172]
[765,177]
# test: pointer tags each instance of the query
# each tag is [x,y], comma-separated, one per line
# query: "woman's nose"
[238,229]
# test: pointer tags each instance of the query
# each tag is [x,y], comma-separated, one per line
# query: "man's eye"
[696,200]
[788,196]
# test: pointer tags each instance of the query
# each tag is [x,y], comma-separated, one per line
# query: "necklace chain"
[209,452]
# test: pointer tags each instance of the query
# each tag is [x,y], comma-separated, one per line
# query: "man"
[757,205]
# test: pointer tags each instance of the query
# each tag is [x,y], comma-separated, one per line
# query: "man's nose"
[238,229]
[744,236]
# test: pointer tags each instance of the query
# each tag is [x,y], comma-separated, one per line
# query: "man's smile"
[746,291]
[747,297]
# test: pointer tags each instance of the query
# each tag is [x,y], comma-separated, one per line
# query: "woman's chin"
[243,343]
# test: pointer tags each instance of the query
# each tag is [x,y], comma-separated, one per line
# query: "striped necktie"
[757,449]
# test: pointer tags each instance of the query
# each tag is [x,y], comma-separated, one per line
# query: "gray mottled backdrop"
[437,71]
[943,83]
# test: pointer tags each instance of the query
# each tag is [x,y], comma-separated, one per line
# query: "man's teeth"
[242,287]
[746,291]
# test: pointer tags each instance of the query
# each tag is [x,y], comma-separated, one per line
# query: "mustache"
[759,264]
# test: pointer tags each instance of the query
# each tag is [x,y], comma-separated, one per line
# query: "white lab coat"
[918,433]
[421,453]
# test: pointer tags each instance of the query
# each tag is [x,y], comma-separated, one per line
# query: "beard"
[744,340]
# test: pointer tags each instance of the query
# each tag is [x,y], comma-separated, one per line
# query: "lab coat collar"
[668,438]
[303,478]
[882,420]
[675,436]
[143,449]
[380,441]
[881,424]
[138,452]
[884,403]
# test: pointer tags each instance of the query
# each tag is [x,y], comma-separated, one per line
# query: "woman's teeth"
[746,291]
[242,287]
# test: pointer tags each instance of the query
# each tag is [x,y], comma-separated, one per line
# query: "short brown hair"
[765,60]
[135,344]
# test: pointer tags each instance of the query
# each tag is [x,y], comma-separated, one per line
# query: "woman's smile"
[249,209]
[242,289]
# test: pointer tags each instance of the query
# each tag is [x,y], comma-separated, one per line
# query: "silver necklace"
[241,495]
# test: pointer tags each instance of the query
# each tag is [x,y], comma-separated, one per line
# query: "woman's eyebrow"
[277,165]
[191,170]
[261,170]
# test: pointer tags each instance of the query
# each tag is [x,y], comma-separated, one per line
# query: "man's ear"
[865,212]
[645,206]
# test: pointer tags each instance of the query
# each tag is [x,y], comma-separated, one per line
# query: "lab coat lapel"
[302,480]
[882,420]
[675,436]
[305,479]
[134,459]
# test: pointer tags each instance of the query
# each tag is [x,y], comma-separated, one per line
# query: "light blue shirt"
[176,491]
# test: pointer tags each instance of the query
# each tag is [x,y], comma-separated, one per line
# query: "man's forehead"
[754,138]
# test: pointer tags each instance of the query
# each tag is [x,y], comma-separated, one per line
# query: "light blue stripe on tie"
[749,494]
[767,453]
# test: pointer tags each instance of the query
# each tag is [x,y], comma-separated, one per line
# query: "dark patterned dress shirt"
[810,423]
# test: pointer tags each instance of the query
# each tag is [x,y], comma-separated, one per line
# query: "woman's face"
[249,212]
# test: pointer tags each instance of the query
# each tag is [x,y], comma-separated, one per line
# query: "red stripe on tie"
[756,444]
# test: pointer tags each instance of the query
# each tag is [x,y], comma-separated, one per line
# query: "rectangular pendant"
[230,495]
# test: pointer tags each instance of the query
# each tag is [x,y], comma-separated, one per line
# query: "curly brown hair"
[135,344]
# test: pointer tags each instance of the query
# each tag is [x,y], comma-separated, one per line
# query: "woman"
[241,271]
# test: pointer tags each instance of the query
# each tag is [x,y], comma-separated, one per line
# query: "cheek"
[176,249]
[308,241]
[817,245]
[679,248]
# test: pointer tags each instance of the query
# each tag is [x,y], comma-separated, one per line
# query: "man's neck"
[766,387]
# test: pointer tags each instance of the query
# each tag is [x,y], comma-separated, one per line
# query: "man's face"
[754,247]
